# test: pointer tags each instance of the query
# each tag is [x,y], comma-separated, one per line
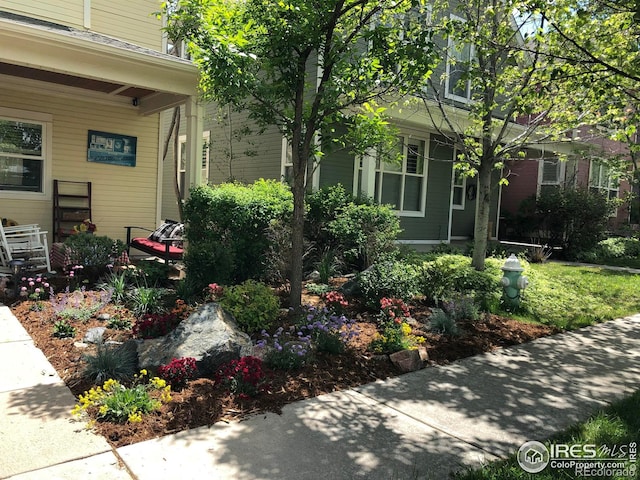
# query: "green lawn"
[619,424]
[572,297]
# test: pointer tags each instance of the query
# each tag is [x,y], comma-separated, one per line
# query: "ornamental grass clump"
[179,371]
[114,402]
[118,362]
[395,331]
[329,333]
[243,377]
[286,349]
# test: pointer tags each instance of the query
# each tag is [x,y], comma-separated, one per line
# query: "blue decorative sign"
[111,148]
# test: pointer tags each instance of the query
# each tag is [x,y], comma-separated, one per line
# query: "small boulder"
[94,335]
[210,335]
[409,360]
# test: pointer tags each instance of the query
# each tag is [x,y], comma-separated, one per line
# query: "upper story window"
[24,153]
[459,58]
[402,185]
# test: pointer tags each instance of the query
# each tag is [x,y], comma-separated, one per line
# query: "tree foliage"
[305,65]
[508,110]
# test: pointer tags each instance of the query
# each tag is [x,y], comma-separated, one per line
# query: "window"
[24,151]
[460,56]
[552,171]
[402,185]
[286,162]
[601,180]
[204,167]
[458,190]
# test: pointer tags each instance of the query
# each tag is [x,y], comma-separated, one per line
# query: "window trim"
[463,186]
[379,170]
[46,120]
[206,150]
[606,189]
[561,172]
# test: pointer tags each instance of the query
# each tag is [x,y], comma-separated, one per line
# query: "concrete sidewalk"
[420,425]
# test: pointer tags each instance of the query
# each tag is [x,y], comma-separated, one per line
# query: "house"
[434,203]
[84,84]
[583,168]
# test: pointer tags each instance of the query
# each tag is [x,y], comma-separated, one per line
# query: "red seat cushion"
[157,248]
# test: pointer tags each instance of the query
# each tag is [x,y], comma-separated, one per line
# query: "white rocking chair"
[25,242]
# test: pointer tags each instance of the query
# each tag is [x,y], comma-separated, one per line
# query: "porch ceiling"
[102,66]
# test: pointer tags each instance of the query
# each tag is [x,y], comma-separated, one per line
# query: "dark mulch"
[203,402]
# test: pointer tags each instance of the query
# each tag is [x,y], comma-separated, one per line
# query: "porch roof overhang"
[415,113]
[91,63]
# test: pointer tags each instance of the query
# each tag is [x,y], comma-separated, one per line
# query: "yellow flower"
[110,385]
[166,394]
[158,383]
[103,410]
[406,329]
[143,372]
[135,417]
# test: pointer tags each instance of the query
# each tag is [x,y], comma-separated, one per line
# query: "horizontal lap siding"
[337,167]
[121,195]
[132,22]
[247,156]
[63,12]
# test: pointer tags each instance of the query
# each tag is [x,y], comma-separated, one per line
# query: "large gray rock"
[210,335]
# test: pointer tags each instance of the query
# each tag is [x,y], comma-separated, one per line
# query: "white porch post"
[194,113]
[368,182]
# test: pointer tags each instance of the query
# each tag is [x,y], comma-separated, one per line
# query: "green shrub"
[574,219]
[361,231]
[225,229]
[254,305]
[117,362]
[450,275]
[93,252]
[366,234]
[323,207]
[387,279]
[614,251]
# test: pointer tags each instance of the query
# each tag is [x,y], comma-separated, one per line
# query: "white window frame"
[611,185]
[561,171]
[458,175]
[451,46]
[380,172]
[286,164]
[204,162]
[46,121]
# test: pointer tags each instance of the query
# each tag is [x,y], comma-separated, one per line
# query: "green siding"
[434,226]
[337,167]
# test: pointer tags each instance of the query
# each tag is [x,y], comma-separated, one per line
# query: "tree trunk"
[481,228]
[297,242]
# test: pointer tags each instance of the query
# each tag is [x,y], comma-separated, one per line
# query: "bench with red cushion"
[165,247]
